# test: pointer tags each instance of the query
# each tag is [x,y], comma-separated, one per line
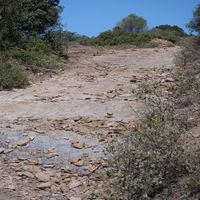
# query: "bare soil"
[53,134]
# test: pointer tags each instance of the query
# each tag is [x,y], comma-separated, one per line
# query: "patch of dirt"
[53,134]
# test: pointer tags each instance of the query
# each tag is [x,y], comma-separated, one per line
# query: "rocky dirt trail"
[54,134]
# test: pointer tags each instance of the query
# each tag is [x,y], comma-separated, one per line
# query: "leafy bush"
[33,60]
[115,37]
[37,45]
[11,77]
[118,36]
[175,29]
[84,40]
[58,41]
[150,158]
[165,35]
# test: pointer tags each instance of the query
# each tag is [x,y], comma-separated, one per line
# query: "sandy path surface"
[84,89]
[59,127]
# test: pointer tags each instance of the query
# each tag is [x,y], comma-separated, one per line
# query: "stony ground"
[53,134]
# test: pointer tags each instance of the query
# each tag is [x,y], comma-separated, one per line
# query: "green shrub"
[165,35]
[118,37]
[58,40]
[175,29]
[11,77]
[192,182]
[150,158]
[32,59]
[84,40]
[143,38]
[38,45]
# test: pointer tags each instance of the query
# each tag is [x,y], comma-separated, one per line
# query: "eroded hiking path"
[54,133]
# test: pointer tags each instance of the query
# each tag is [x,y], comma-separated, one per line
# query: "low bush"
[174,29]
[38,45]
[84,40]
[35,55]
[32,60]
[58,40]
[11,77]
[151,158]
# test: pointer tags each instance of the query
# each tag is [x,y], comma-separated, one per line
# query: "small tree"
[194,24]
[133,23]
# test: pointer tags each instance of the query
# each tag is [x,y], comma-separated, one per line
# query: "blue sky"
[90,17]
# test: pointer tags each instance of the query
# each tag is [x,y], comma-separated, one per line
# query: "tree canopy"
[24,18]
[194,24]
[133,23]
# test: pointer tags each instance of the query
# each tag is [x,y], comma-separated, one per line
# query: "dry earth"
[53,134]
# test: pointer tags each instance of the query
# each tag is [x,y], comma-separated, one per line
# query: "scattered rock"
[23,142]
[169,80]
[92,168]
[63,188]
[66,169]
[77,162]
[109,115]
[8,151]
[44,185]
[28,174]
[111,95]
[2,150]
[88,98]
[11,187]
[49,166]
[55,189]
[32,138]
[78,144]
[75,198]
[133,79]
[21,158]
[43,177]
[33,169]
[55,180]
[78,118]
[74,184]
[33,161]
[50,172]
[52,154]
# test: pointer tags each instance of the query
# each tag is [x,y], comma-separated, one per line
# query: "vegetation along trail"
[54,133]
